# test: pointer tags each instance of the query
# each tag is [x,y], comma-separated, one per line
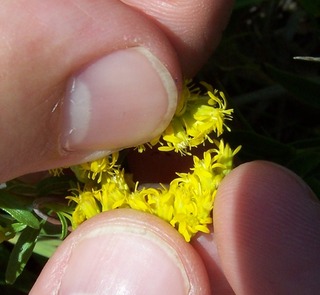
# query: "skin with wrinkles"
[191,32]
[51,40]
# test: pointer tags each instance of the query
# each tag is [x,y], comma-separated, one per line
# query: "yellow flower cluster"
[187,202]
[197,116]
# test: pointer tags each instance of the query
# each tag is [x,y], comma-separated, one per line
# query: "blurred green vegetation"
[277,110]
[276,97]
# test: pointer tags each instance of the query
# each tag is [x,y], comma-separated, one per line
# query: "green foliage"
[276,96]
[21,253]
[306,90]
[28,233]
[17,208]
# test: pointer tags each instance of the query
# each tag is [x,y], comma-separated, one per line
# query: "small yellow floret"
[197,116]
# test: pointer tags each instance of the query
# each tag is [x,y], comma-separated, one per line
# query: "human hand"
[46,43]
[73,88]
[122,97]
[266,240]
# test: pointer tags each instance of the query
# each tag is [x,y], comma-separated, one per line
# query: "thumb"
[79,80]
[124,252]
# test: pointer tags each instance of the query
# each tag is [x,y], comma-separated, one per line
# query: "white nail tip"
[168,84]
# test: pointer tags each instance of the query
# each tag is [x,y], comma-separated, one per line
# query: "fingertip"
[267,230]
[121,102]
[206,247]
[124,251]
[194,28]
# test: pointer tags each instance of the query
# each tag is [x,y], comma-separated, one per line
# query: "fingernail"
[118,259]
[123,99]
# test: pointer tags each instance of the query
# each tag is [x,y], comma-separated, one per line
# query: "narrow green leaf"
[18,210]
[54,185]
[23,284]
[18,227]
[306,90]
[21,253]
[305,163]
[9,232]
[23,216]
[311,144]
[20,188]
[64,225]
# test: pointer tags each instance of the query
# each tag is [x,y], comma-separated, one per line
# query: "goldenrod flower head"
[95,169]
[197,116]
[86,208]
[187,202]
